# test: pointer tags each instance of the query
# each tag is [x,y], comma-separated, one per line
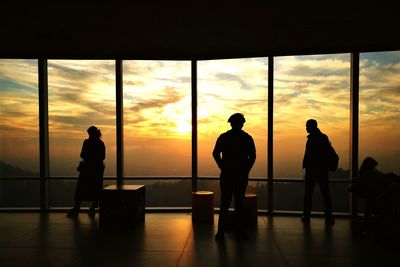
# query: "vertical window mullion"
[43,132]
[354,121]
[119,120]
[270,159]
[194,126]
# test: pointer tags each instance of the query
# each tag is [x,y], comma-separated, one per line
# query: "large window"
[157,123]
[306,87]
[81,94]
[157,118]
[226,87]
[19,132]
[380,110]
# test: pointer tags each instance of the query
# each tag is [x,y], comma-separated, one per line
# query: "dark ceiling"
[180,30]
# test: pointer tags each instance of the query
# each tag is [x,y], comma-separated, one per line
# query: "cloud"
[80,74]
[130,83]
[22,72]
[252,103]
[310,71]
[68,96]
[379,58]
[84,119]
[133,120]
[283,98]
[165,125]
[184,80]
[78,101]
[70,120]
[168,96]
[233,78]
[69,73]
[15,86]
[312,104]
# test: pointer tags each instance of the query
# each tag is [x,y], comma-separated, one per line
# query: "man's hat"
[237,117]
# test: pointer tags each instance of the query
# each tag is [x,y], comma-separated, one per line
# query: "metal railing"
[167,178]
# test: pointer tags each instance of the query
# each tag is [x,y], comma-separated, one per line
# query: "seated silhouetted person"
[316,171]
[235,154]
[373,186]
[370,180]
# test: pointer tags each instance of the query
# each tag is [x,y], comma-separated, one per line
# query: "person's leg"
[326,196]
[226,197]
[309,188]
[74,212]
[92,209]
[77,205]
[95,204]
[239,196]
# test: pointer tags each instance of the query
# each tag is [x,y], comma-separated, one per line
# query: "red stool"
[203,206]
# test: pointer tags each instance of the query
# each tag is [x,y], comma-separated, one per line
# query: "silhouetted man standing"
[238,156]
[315,164]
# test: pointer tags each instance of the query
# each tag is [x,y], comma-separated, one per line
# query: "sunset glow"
[158,119]
[306,87]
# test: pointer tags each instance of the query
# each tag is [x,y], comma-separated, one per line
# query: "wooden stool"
[250,208]
[203,206]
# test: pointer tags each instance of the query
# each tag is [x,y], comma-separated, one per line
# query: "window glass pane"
[254,187]
[289,196]
[19,112]
[157,118]
[380,110]
[81,94]
[19,194]
[19,132]
[166,193]
[61,193]
[226,87]
[306,87]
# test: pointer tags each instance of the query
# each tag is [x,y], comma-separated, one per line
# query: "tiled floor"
[32,239]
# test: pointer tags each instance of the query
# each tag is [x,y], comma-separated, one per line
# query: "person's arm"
[305,158]
[217,153]
[103,151]
[252,153]
[84,151]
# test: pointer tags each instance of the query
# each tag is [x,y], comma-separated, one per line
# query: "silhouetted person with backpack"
[235,154]
[91,170]
[315,163]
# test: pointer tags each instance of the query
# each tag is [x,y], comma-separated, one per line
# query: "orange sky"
[157,110]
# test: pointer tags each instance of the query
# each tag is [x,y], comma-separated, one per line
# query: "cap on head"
[312,124]
[237,118]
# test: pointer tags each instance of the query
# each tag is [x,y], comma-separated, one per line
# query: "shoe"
[92,212]
[305,219]
[73,213]
[329,220]
[219,237]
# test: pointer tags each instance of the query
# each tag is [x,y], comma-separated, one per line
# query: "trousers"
[229,189]
[323,183]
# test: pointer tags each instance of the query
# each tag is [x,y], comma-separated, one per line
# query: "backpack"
[332,158]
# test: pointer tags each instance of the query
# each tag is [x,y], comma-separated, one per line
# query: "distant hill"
[7,170]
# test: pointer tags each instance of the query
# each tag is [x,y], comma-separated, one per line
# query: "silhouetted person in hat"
[316,168]
[91,170]
[235,154]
